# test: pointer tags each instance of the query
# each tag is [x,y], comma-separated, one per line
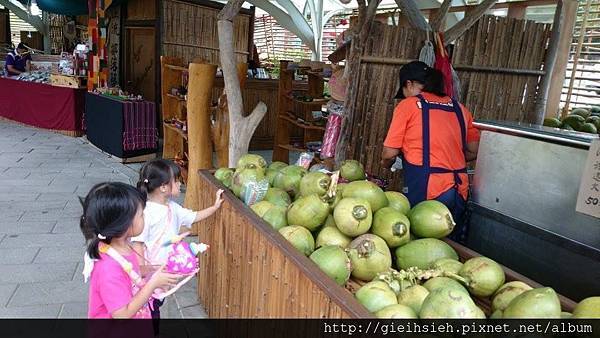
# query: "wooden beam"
[439,18]
[500,5]
[470,19]
[537,115]
[33,20]
[517,11]
[412,12]
[569,13]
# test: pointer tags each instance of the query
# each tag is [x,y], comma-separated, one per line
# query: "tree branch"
[413,13]
[231,9]
[470,19]
[439,17]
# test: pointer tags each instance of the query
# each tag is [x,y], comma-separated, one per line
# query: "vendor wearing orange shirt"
[436,137]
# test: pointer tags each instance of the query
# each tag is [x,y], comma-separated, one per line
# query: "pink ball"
[181,260]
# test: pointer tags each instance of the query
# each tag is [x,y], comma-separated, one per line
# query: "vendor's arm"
[28,66]
[392,146]
[472,137]
[12,69]
[388,156]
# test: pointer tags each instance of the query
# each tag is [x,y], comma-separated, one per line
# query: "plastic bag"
[253,191]
[305,160]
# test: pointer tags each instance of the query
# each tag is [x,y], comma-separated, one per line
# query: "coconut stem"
[399,229]
[359,212]
[456,277]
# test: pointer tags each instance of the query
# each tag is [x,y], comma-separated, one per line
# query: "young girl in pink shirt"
[112,214]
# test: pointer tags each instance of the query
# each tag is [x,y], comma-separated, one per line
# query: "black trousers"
[156,315]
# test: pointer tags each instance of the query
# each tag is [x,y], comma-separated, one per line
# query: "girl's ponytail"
[434,82]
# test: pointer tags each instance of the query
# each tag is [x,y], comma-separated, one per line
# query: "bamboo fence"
[499,62]
[190,32]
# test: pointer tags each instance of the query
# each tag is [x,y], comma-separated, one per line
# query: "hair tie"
[100,236]
[145,180]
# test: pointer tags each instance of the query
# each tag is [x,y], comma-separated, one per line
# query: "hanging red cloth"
[442,63]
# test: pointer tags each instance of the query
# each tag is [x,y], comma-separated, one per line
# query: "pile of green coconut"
[362,236]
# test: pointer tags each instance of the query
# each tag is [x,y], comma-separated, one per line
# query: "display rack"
[175,146]
[297,113]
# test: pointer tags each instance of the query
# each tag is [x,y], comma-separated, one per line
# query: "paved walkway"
[41,247]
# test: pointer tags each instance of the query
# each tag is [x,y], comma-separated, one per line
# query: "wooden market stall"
[251,271]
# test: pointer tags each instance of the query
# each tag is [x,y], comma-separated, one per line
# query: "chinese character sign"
[588,201]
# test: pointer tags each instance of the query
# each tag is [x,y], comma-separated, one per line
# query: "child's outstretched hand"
[164,280]
[219,199]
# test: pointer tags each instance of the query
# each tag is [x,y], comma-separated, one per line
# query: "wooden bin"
[69,81]
[250,271]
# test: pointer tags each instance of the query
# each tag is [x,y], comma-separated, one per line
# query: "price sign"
[588,200]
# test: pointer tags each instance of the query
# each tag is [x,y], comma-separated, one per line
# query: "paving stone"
[49,311]
[9,196]
[17,255]
[46,189]
[74,311]
[41,240]
[57,196]
[27,227]
[31,273]
[44,293]
[78,274]
[6,291]
[186,298]
[29,206]
[194,312]
[68,225]
[23,182]
[60,255]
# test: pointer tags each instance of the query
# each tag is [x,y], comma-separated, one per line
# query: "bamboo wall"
[253,92]
[250,271]
[189,31]
[499,62]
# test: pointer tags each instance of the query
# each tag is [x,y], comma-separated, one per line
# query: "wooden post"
[569,9]
[537,115]
[471,17]
[220,130]
[576,58]
[202,77]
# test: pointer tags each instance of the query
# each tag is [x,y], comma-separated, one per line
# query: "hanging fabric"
[442,63]
[427,54]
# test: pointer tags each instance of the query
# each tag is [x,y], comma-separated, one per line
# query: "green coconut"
[270,175]
[506,293]
[352,170]
[369,255]
[552,122]
[581,112]
[423,252]
[353,216]
[588,308]
[431,219]
[330,222]
[300,238]
[567,315]
[277,165]
[482,276]
[334,261]
[449,303]
[288,179]
[443,282]
[308,211]
[398,201]
[314,183]
[273,214]
[278,197]
[589,128]
[332,236]
[251,161]
[447,265]
[535,303]
[496,315]
[396,311]
[413,297]
[376,295]
[244,176]
[224,175]
[368,191]
[392,226]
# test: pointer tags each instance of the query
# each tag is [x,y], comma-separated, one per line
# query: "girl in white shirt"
[160,181]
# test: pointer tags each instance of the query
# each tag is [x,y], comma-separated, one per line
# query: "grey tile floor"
[41,248]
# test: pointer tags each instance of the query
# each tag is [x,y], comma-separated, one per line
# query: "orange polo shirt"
[406,133]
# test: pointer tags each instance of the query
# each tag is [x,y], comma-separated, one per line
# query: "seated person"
[18,61]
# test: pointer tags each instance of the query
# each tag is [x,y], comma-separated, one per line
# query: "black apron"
[416,177]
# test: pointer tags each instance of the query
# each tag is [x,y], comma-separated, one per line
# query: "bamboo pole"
[200,87]
[576,57]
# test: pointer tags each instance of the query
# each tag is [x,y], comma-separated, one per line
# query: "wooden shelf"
[290,118]
[291,148]
[176,97]
[320,101]
[177,68]
[177,130]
